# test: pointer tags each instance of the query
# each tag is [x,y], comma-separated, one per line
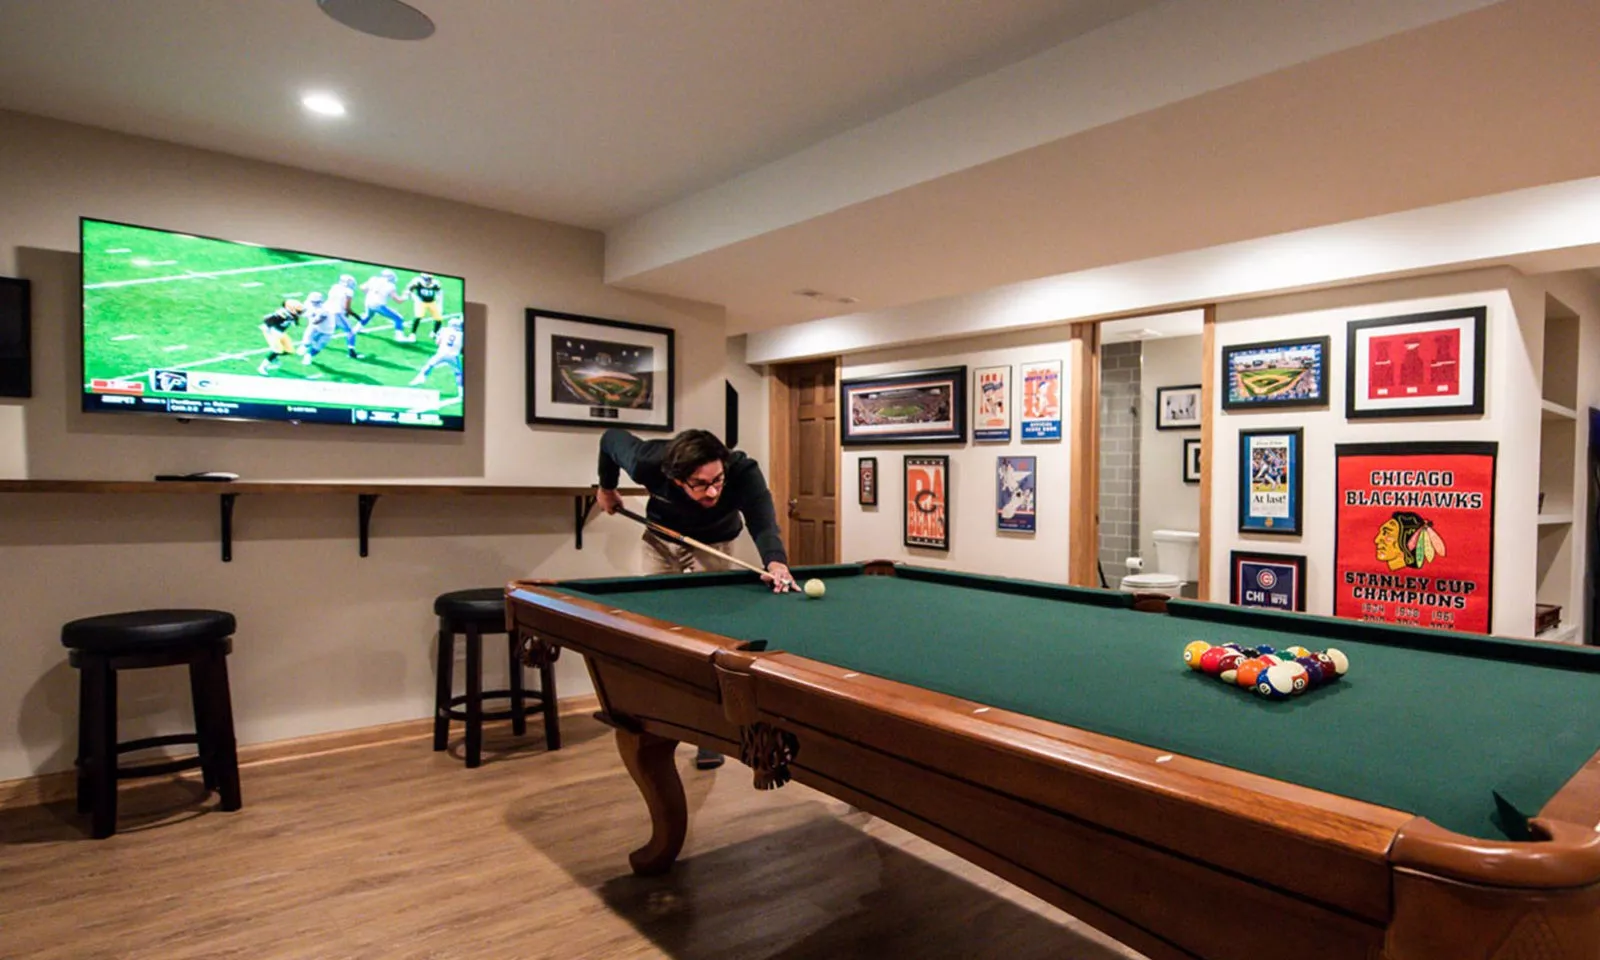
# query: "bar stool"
[475,613]
[101,646]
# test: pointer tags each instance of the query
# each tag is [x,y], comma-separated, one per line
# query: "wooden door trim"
[838,465]
[780,415]
[1208,401]
[1083,537]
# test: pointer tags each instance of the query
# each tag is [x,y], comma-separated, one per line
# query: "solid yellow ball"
[815,588]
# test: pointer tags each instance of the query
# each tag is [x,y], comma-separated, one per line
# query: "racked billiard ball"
[1193,652]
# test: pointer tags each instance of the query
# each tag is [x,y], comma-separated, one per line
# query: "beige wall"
[327,640]
[1165,501]
[975,545]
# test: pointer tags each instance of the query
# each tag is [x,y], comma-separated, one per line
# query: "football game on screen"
[195,327]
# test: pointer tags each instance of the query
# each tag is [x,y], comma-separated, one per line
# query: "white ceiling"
[586,112]
[895,151]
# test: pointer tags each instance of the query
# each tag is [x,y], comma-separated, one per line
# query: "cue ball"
[815,588]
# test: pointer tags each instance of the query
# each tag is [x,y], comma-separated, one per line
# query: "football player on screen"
[275,327]
[380,290]
[319,328]
[447,354]
[338,306]
[427,302]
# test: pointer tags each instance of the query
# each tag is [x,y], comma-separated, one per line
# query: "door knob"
[794,506]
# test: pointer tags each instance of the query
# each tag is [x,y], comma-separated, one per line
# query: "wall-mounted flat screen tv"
[191,326]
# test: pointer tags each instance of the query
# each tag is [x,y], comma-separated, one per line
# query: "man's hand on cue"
[609,500]
[779,576]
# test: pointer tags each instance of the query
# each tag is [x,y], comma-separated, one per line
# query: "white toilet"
[1177,555]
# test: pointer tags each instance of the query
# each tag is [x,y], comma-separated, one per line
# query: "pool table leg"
[649,760]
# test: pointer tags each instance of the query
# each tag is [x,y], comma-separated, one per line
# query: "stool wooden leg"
[85,734]
[219,733]
[445,685]
[519,699]
[474,696]
[202,724]
[552,710]
[102,751]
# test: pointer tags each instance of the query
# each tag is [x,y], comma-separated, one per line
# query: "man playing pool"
[701,489]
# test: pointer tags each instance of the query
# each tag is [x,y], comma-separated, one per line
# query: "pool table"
[1440,802]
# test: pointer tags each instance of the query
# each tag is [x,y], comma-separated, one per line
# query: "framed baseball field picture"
[589,372]
[1266,376]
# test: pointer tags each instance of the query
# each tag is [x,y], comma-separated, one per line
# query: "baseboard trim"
[62,785]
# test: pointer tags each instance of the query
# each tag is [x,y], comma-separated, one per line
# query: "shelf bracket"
[582,506]
[364,504]
[227,526]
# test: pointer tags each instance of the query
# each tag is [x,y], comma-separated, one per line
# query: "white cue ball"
[815,588]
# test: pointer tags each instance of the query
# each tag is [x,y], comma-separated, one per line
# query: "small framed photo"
[927,493]
[1264,376]
[1015,488]
[1191,461]
[588,372]
[1274,581]
[926,406]
[1422,364]
[1271,475]
[1178,408]
[991,403]
[867,481]
[1041,400]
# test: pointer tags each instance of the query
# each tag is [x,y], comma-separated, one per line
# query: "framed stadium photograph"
[925,406]
[1422,364]
[589,372]
[927,496]
[1287,373]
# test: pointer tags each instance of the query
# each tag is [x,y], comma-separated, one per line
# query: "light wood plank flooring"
[398,853]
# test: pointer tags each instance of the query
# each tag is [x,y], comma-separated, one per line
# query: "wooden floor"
[395,852]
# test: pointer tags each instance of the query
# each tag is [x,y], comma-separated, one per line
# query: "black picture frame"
[1191,460]
[919,387]
[867,481]
[1292,522]
[1234,355]
[1359,365]
[1237,559]
[1163,422]
[16,338]
[543,406]
[935,501]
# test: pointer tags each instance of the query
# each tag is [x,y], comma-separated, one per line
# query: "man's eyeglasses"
[701,486]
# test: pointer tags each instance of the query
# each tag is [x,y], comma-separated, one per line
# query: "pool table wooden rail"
[1175,856]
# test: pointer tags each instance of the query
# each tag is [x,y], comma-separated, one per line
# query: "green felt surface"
[1433,732]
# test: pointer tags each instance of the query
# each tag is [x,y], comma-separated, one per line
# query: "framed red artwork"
[927,522]
[1422,364]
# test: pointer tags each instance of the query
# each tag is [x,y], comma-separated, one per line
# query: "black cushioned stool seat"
[139,639]
[475,613]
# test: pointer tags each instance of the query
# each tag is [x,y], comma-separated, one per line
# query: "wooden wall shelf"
[366,495]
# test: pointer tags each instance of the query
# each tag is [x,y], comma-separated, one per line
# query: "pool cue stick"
[691,541]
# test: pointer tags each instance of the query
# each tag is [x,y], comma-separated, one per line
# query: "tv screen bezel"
[83,352]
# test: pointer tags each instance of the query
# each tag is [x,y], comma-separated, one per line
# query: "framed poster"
[867,481]
[991,397]
[1263,376]
[1191,461]
[1274,581]
[927,502]
[1041,400]
[926,406]
[1178,408]
[1271,475]
[588,372]
[1415,534]
[1014,488]
[1423,364]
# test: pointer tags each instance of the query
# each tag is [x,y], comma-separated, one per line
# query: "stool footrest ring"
[533,707]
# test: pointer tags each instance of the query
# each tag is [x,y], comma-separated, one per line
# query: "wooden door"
[805,450]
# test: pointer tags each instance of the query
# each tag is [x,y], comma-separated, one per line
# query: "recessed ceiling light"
[323,104]
[389,19]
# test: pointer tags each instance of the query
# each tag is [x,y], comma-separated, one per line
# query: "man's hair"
[691,450]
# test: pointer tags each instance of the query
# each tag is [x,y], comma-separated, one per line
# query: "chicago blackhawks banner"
[1415,534]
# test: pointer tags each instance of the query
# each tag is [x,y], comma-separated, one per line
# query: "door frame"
[780,439]
[1084,514]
